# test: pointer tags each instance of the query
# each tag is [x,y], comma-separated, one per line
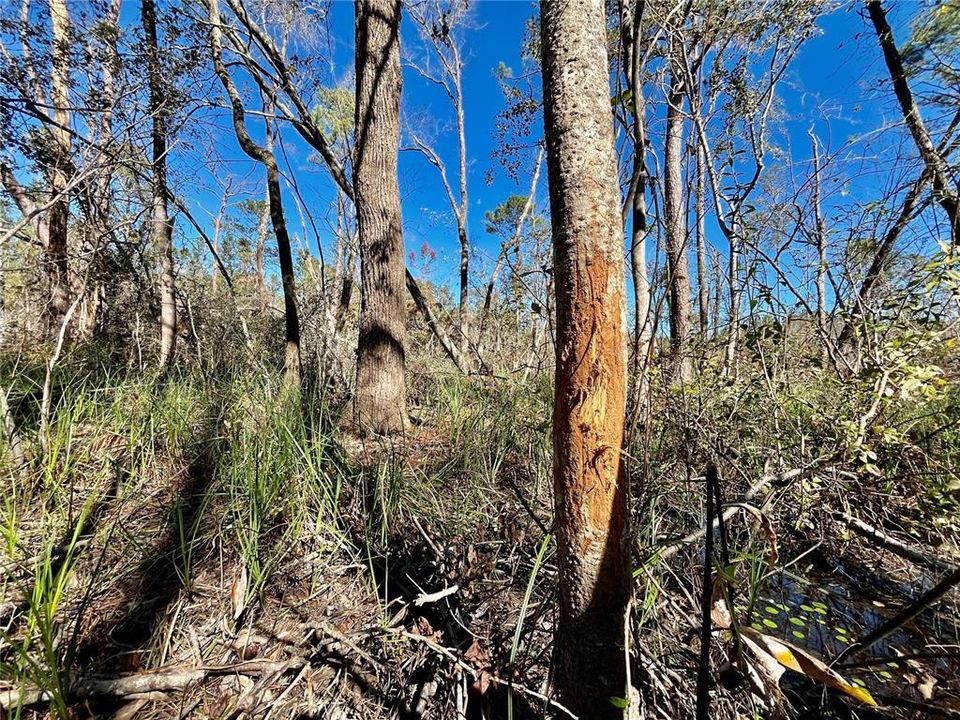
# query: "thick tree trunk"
[676,229]
[380,402]
[945,191]
[162,226]
[589,401]
[58,269]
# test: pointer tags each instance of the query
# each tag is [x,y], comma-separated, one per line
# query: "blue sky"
[830,86]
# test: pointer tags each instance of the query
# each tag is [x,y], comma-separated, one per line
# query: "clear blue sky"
[831,86]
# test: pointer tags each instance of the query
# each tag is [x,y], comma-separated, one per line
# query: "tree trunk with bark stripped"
[589,403]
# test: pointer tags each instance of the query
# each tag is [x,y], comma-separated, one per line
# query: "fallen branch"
[890,543]
[465,667]
[427,598]
[164,680]
[903,617]
[928,709]
[775,482]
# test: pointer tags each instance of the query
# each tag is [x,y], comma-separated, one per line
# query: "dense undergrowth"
[211,519]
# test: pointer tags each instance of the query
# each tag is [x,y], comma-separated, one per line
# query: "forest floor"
[202,547]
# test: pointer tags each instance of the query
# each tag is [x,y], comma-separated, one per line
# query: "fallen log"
[887,542]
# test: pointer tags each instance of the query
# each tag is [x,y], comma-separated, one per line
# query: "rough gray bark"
[676,227]
[295,109]
[380,401]
[589,402]
[162,227]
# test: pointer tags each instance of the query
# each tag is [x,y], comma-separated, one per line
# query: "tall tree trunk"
[380,402]
[676,226]
[260,256]
[291,315]
[58,268]
[733,280]
[703,288]
[162,226]
[945,190]
[462,231]
[642,328]
[589,401]
[820,236]
[291,358]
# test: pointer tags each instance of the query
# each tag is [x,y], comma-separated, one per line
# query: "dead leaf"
[719,612]
[792,657]
[425,629]
[479,659]
[766,527]
[238,593]
[766,674]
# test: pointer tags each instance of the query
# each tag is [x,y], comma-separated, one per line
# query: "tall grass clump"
[278,475]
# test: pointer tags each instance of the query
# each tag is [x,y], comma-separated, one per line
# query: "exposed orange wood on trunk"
[591,372]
